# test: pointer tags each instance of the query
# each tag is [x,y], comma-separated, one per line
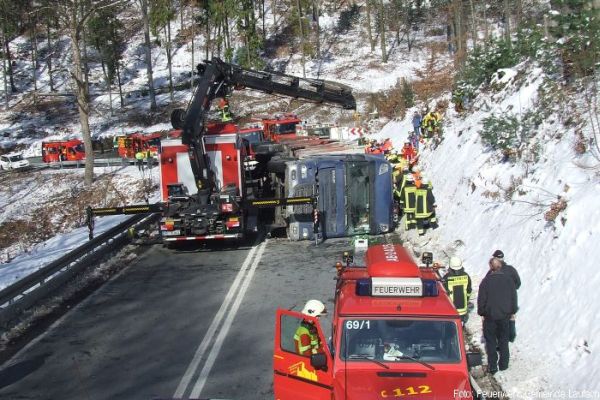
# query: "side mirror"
[474,359]
[319,361]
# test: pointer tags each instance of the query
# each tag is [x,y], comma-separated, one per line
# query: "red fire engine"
[63,150]
[135,142]
[395,333]
[280,127]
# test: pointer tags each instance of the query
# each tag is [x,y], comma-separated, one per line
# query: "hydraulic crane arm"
[218,79]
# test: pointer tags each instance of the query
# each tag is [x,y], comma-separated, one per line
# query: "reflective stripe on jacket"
[458,285]
[306,340]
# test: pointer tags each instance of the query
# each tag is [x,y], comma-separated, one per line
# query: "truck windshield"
[285,128]
[399,340]
[357,203]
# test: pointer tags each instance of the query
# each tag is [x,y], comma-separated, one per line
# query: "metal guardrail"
[24,293]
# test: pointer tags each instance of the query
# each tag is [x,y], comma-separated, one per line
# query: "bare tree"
[73,17]
[384,55]
[369,31]
[144,8]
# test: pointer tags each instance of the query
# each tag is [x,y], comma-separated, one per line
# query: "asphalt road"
[177,324]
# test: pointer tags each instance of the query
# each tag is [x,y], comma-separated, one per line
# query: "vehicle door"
[298,377]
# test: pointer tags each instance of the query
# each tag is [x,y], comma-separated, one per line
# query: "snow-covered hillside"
[486,204]
[486,201]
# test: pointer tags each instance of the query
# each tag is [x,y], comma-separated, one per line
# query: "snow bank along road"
[177,324]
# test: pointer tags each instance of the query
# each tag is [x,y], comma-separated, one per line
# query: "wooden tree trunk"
[317,12]
[83,45]
[301,38]
[8,58]
[34,61]
[384,55]
[120,85]
[108,85]
[83,106]
[169,63]
[507,21]
[49,58]
[144,7]
[369,31]
[4,74]
[473,24]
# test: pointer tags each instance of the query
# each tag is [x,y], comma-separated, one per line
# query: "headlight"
[384,168]
[303,172]
[384,227]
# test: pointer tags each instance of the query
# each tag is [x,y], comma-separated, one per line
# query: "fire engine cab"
[395,334]
[130,144]
[63,150]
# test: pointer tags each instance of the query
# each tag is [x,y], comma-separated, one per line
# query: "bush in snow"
[510,133]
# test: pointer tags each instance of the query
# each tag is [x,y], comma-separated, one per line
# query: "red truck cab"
[63,150]
[130,144]
[395,334]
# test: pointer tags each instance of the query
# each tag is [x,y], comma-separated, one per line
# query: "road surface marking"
[191,370]
[226,325]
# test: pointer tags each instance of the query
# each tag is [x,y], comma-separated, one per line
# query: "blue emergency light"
[430,288]
[363,287]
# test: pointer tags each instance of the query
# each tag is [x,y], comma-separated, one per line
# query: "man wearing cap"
[306,338]
[514,275]
[508,269]
[458,285]
[496,303]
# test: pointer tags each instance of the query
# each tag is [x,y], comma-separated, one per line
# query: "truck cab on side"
[354,193]
[395,334]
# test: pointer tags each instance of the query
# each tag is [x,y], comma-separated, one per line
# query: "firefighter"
[417,177]
[408,201]
[224,108]
[497,303]
[425,208]
[306,338]
[139,157]
[458,285]
[387,146]
[409,153]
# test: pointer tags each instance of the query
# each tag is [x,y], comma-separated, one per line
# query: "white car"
[13,161]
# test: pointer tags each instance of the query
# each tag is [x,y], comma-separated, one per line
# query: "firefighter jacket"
[458,286]
[306,340]
[408,199]
[424,202]
[497,297]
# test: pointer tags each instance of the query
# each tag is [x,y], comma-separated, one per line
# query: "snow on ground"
[485,204]
[31,197]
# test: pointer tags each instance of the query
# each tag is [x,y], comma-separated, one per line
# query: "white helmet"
[314,308]
[455,263]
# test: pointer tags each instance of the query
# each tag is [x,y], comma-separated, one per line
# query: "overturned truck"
[219,182]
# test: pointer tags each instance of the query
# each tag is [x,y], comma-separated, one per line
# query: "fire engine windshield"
[399,340]
[285,128]
[357,201]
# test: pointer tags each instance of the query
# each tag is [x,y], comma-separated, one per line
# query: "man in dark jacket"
[514,275]
[497,303]
[508,269]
